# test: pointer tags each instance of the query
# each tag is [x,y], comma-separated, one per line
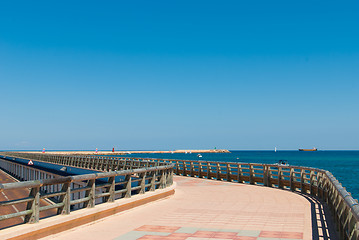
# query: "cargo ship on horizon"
[308,150]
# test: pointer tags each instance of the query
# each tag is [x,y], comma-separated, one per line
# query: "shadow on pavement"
[323,226]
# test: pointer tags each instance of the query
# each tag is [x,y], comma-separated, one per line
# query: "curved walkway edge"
[61,223]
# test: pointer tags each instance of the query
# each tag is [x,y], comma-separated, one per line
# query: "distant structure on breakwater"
[97,152]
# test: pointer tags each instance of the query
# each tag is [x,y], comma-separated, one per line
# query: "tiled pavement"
[150,232]
[208,209]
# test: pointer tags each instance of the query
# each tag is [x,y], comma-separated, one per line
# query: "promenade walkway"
[207,209]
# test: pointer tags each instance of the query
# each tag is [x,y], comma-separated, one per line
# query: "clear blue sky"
[179,74]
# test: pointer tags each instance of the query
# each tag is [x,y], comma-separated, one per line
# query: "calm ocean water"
[344,165]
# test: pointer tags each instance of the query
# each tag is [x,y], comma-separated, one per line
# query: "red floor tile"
[275,234]
[245,238]
[178,236]
[292,235]
[270,234]
[203,234]
[225,235]
[151,237]
[152,228]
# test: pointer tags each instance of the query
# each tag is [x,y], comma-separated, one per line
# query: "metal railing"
[92,162]
[313,181]
[24,172]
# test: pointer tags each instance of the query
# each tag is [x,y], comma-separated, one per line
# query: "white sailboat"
[275,149]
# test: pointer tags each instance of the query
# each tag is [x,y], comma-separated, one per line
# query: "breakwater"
[102,152]
[316,182]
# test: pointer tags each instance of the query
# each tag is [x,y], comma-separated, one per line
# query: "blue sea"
[344,165]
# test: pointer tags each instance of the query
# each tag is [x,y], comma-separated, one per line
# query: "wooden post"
[311,182]
[239,173]
[184,172]
[153,181]
[66,187]
[302,186]
[228,173]
[336,202]
[102,167]
[82,162]
[269,176]
[347,216]
[167,179]
[319,185]
[113,164]
[170,177]
[326,190]
[208,170]
[218,170]
[96,163]
[128,186]
[251,180]
[292,188]
[192,170]
[117,165]
[142,190]
[91,193]
[265,175]
[131,165]
[33,205]
[89,163]
[354,234]
[280,178]
[111,189]
[177,167]
[162,180]
[85,162]
[105,164]
[340,211]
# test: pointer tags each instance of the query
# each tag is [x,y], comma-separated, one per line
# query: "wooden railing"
[112,185]
[316,182]
[313,181]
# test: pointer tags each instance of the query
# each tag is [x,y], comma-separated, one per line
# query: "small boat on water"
[282,163]
[199,155]
[308,150]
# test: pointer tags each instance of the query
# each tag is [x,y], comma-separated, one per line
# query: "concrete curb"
[77,218]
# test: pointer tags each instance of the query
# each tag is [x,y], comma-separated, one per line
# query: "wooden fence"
[113,185]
